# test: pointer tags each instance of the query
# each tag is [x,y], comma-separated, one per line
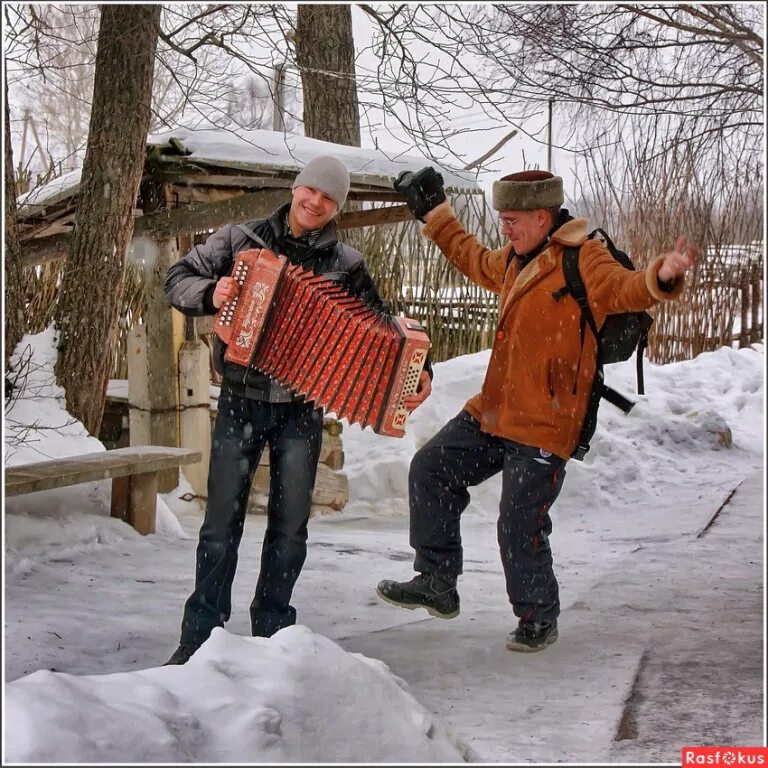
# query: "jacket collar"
[572,233]
[328,236]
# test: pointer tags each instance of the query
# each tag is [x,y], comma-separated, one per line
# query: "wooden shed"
[195,182]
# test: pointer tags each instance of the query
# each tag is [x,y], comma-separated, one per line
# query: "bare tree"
[505,62]
[91,291]
[51,64]
[14,292]
[700,62]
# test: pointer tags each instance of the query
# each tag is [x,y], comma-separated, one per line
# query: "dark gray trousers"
[460,455]
[243,428]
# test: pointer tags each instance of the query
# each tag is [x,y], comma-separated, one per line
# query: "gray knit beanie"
[528,191]
[328,175]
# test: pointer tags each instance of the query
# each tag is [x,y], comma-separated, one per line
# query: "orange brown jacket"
[539,376]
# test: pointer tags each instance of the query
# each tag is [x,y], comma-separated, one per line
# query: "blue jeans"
[461,455]
[243,427]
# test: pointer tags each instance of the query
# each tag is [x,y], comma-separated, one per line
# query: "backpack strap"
[646,321]
[250,233]
[575,287]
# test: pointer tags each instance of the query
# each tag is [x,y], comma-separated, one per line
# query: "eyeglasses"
[505,222]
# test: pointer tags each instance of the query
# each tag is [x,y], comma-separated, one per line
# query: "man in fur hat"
[526,421]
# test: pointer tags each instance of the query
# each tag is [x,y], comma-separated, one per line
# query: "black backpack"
[616,341]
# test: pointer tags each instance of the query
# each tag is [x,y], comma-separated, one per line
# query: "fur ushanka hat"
[528,191]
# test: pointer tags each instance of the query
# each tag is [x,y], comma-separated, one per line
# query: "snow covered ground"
[661,632]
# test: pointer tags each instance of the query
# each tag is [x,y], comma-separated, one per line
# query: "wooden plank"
[120,462]
[184,164]
[375,217]
[195,217]
[225,180]
[44,249]
[196,194]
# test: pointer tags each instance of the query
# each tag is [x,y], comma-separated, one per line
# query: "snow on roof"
[51,193]
[267,151]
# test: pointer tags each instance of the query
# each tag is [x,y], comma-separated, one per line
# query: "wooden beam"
[225,180]
[375,217]
[198,217]
[44,249]
[195,217]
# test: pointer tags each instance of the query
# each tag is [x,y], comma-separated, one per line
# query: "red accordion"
[315,338]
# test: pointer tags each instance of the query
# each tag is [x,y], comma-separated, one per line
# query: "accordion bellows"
[321,342]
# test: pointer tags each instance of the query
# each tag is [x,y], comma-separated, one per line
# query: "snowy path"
[640,601]
[700,655]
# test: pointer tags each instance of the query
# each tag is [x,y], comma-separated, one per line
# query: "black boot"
[440,598]
[532,636]
[181,655]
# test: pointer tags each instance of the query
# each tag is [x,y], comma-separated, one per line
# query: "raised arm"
[480,264]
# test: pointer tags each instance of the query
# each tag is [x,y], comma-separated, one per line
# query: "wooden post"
[152,367]
[142,501]
[134,500]
[756,331]
[119,504]
[195,416]
[746,295]
[550,131]
[277,98]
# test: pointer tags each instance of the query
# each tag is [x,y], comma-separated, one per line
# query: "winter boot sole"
[413,606]
[512,645]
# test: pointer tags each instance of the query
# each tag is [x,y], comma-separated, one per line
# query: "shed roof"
[255,159]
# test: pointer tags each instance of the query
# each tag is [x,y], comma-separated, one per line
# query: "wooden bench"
[133,472]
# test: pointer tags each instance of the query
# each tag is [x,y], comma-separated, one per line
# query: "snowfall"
[658,546]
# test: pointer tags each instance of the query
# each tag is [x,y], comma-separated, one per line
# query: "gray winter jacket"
[190,283]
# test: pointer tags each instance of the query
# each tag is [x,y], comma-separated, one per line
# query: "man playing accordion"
[255,410]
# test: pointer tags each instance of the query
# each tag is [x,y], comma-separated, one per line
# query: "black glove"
[422,190]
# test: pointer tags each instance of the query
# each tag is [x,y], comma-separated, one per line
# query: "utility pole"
[23,144]
[549,137]
[278,123]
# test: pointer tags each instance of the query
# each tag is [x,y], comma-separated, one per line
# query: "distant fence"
[722,307]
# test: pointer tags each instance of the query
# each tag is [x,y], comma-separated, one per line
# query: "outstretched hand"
[678,261]
[423,391]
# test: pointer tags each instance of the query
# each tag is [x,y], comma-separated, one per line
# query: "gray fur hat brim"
[528,195]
